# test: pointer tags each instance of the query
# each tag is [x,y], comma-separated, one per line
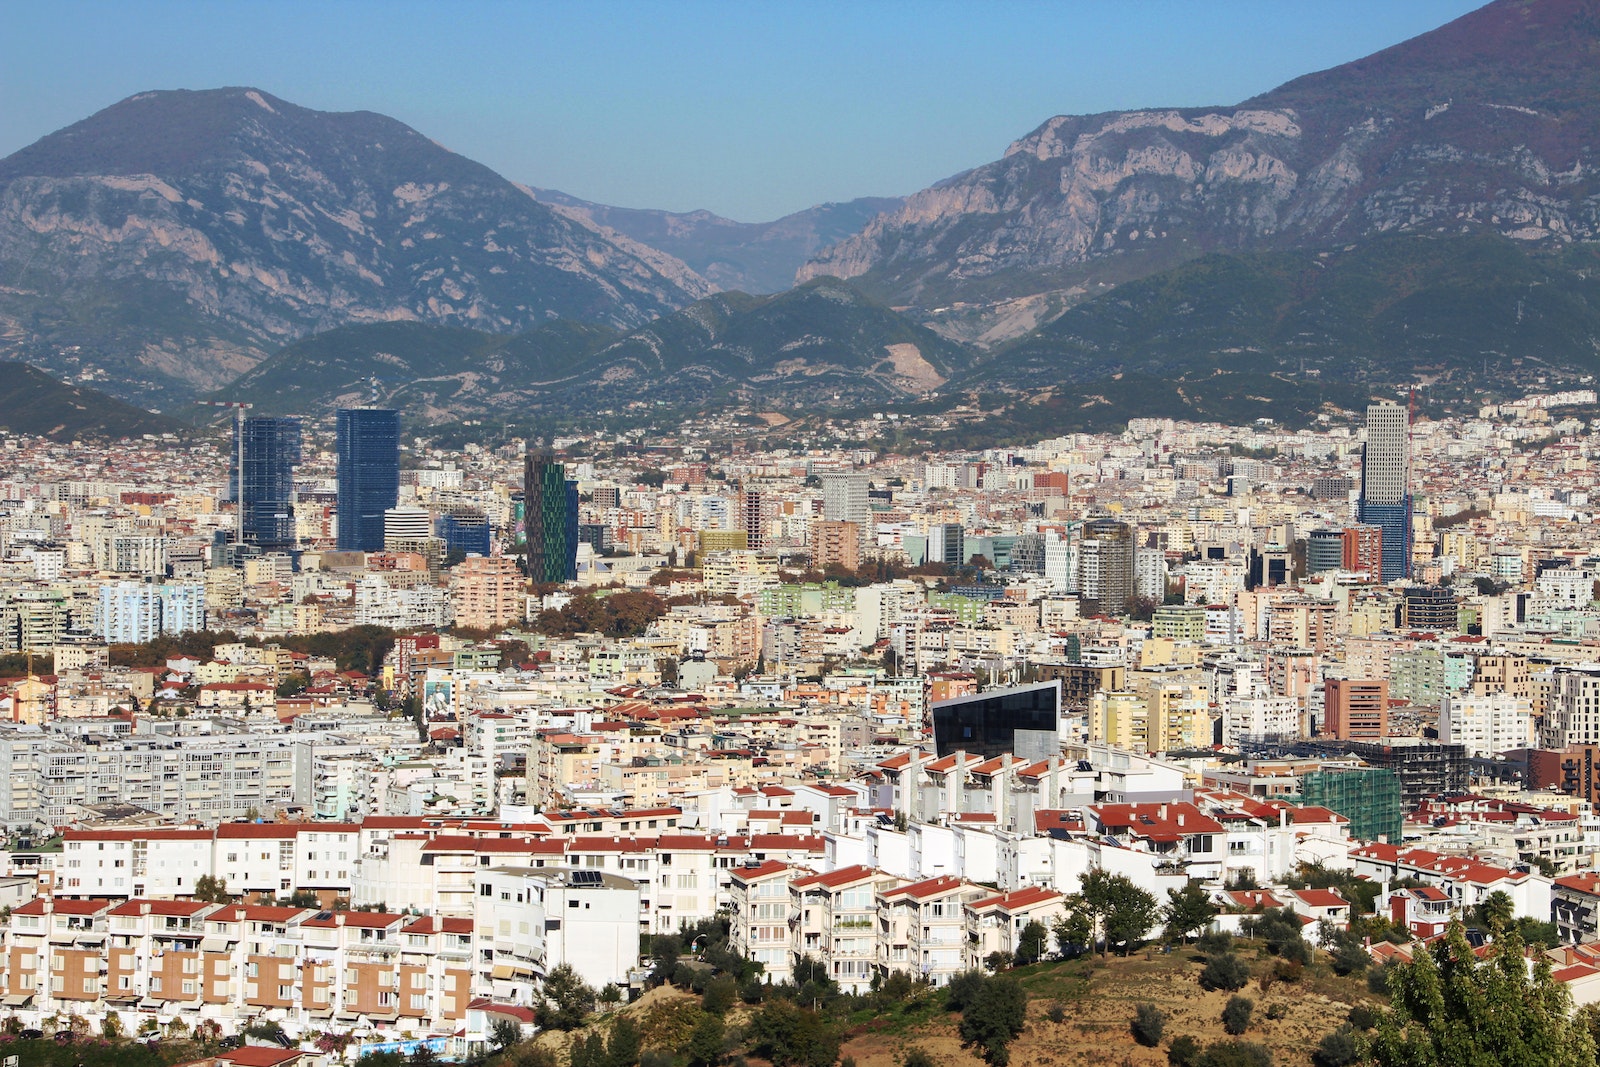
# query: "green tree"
[588,1051]
[1149,1023]
[963,990]
[1073,929]
[721,992]
[1448,1007]
[1031,943]
[1225,971]
[1185,1051]
[211,889]
[1114,908]
[622,1050]
[565,1001]
[995,1017]
[1341,1048]
[705,1043]
[505,1033]
[1188,910]
[1236,1014]
[792,1036]
[1497,911]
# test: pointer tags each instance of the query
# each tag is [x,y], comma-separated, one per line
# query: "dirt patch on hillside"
[1098,1001]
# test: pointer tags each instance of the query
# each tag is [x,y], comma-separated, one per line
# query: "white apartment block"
[1487,724]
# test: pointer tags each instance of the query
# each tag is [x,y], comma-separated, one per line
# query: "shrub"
[1288,970]
[1056,1013]
[1378,980]
[1295,950]
[1185,1051]
[916,1057]
[1363,1017]
[1148,1025]
[1213,942]
[1277,1010]
[1236,1014]
[1225,971]
[1338,1049]
[1237,1054]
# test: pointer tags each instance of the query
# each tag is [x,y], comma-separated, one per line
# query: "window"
[91,985]
[419,1002]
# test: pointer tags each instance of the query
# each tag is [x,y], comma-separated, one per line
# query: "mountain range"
[1425,215]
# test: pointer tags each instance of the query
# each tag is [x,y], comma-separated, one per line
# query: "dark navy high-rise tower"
[369,475]
[268,451]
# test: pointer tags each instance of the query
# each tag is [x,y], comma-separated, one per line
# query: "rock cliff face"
[168,243]
[1491,123]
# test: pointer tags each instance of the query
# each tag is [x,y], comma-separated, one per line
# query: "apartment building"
[233,963]
[995,923]
[836,918]
[922,928]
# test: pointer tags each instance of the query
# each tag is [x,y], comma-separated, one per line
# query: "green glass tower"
[550,519]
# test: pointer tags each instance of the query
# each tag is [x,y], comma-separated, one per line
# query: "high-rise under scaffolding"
[1368,796]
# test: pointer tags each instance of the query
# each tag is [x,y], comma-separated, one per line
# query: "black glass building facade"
[369,475]
[1025,721]
[265,458]
[550,519]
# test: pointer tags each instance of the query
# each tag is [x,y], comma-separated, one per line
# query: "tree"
[1497,911]
[1236,1014]
[211,889]
[995,1018]
[792,1036]
[1188,910]
[1184,1051]
[705,1043]
[623,1048]
[1031,943]
[1342,1048]
[565,1001]
[1225,971]
[1111,904]
[1448,1007]
[1074,931]
[1148,1024]
[1348,954]
[963,990]
[505,1033]
[589,1051]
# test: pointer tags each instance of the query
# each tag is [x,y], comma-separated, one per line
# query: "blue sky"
[751,110]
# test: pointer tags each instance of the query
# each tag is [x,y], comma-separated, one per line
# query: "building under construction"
[1425,769]
[1368,796]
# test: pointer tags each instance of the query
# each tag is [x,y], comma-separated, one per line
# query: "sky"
[751,110]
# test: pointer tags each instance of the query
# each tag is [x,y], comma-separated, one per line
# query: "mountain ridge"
[1086,202]
[750,257]
[268,221]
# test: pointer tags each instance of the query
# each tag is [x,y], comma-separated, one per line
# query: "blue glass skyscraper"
[369,475]
[268,451]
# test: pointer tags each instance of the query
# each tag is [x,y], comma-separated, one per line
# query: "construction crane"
[239,407]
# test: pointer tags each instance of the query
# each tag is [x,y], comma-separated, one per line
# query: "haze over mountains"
[1428,213]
